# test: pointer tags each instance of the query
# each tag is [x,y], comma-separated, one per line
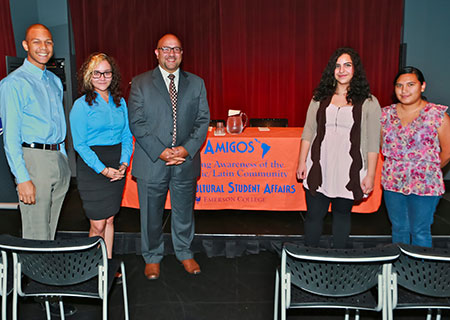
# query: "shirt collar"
[99,98]
[31,68]
[165,74]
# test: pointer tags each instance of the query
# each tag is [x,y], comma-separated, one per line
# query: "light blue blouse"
[102,124]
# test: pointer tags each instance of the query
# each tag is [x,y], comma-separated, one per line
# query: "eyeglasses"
[168,49]
[97,74]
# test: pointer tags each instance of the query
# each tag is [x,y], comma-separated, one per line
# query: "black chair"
[334,278]
[6,280]
[69,267]
[421,279]
[3,281]
[268,122]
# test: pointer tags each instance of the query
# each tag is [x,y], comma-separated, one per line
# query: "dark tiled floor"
[237,288]
[227,289]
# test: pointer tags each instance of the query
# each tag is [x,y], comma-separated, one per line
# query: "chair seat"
[87,288]
[333,278]
[303,299]
[411,300]
[63,268]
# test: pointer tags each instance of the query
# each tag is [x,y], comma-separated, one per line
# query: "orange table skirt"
[255,170]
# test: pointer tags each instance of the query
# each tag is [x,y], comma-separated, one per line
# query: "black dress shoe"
[69,310]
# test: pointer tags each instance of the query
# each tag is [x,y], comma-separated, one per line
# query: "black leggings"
[317,210]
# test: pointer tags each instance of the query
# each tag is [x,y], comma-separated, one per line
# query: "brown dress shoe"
[151,271]
[191,266]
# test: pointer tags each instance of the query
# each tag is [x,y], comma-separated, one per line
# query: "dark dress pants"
[152,198]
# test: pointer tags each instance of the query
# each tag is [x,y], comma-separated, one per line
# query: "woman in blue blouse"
[102,138]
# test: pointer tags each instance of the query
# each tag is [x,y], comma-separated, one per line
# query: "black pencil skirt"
[101,198]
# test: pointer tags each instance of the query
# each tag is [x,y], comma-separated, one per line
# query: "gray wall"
[427,35]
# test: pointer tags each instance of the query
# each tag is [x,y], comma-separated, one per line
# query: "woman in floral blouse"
[416,145]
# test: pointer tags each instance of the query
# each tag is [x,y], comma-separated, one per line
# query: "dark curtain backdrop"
[7,45]
[264,57]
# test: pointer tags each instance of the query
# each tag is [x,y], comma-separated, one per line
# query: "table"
[255,170]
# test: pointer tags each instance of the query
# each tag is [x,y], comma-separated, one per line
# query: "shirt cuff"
[22,177]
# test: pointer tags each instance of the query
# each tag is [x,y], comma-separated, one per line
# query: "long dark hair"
[359,89]
[85,78]
[407,70]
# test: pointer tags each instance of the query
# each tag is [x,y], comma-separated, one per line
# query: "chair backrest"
[3,272]
[58,262]
[424,270]
[6,275]
[337,272]
[268,122]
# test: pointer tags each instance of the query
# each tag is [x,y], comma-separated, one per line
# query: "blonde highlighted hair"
[85,86]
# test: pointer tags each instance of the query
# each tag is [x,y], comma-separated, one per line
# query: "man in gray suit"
[169,117]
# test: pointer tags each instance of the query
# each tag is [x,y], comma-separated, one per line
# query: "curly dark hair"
[359,89]
[85,76]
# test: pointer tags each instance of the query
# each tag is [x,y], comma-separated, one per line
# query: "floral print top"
[411,153]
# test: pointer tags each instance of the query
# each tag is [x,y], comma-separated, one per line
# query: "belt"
[34,145]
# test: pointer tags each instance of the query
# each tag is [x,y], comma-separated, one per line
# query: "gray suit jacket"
[150,116]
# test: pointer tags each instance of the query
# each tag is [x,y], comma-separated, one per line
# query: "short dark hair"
[413,70]
[37,26]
